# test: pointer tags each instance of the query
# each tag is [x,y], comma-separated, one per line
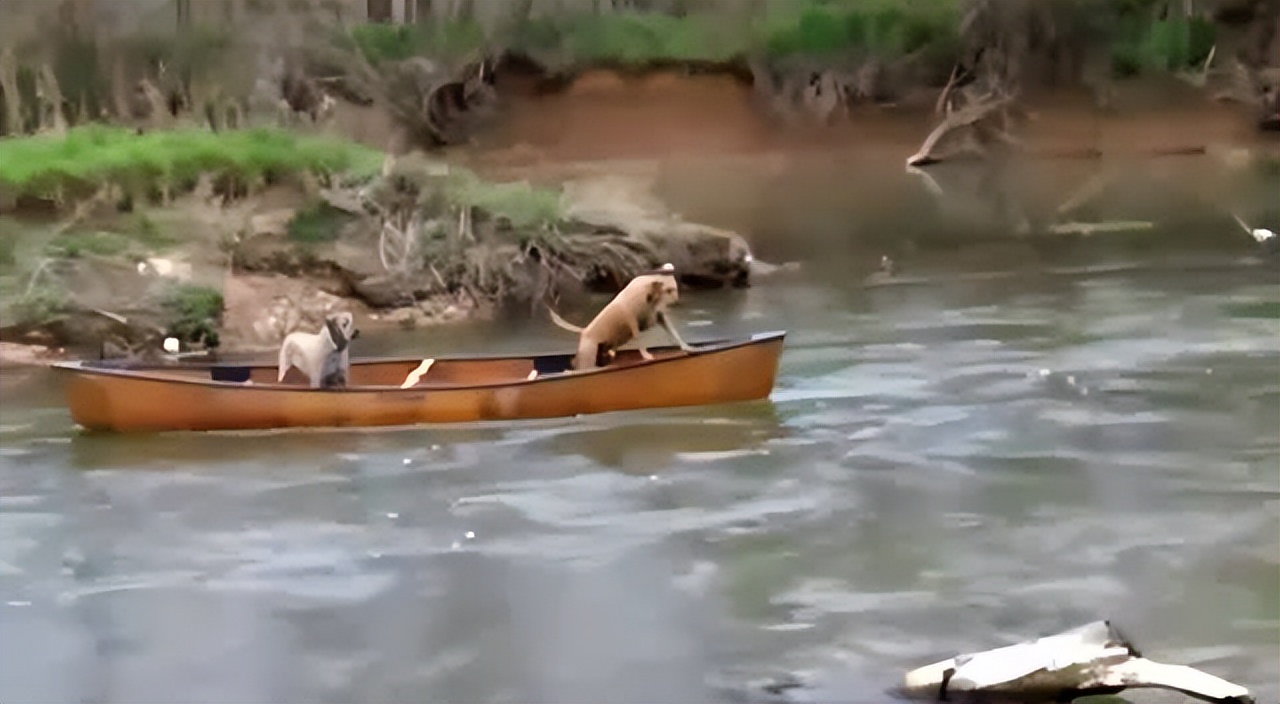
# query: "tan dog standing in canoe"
[324,357]
[640,304]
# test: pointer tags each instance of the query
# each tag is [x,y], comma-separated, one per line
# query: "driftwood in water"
[974,118]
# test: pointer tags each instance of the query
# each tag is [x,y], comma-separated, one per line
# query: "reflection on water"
[951,465]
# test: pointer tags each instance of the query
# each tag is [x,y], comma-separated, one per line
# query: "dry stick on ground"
[35,276]
[85,207]
[400,246]
[964,117]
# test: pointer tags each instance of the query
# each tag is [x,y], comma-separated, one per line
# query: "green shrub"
[194,312]
[40,305]
[380,42]
[76,244]
[318,223]
[519,202]
[1174,44]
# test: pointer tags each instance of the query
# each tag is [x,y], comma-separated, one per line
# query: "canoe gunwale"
[157,373]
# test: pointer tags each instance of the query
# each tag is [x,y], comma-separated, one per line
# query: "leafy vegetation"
[194,313]
[1138,38]
[92,155]
[72,245]
[815,27]
[882,28]
[317,223]
[379,42]
[519,202]
[1171,44]
[40,305]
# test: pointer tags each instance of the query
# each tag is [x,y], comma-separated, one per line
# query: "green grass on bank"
[1173,44]
[95,154]
[811,28]
[519,202]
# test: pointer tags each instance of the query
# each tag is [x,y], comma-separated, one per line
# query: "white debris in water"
[471,534]
[168,268]
[1071,379]
[456,545]
[1209,370]
[393,515]
[435,447]
[1044,372]
[19,603]
[785,627]
[653,477]
[407,461]
[171,345]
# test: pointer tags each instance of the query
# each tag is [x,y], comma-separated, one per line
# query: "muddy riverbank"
[664,144]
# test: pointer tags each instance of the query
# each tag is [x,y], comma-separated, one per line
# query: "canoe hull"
[111,400]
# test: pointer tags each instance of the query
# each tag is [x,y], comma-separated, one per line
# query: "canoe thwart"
[417,373]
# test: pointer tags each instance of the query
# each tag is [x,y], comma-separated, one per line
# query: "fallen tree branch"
[343,199]
[1086,192]
[964,117]
[943,104]
[1086,229]
[35,276]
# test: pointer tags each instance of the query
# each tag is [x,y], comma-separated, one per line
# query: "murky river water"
[945,466]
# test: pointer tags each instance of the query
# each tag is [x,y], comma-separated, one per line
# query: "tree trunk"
[57,119]
[12,98]
[120,88]
[378,10]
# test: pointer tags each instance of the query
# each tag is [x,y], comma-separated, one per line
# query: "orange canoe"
[103,395]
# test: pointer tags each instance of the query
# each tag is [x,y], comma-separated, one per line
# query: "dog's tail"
[1247,230]
[283,363]
[562,322]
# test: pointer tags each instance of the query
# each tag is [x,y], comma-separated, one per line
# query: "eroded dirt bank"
[705,146]
[702,146]
[607,115]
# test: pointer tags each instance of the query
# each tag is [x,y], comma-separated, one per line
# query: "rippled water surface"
[944,466]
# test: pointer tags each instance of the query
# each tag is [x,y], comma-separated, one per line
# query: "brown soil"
[13,354]
[607,116]
[711,153]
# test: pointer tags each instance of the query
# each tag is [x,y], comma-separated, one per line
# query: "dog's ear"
[655,292]
[336,334]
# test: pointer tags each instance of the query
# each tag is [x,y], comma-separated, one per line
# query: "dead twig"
[1087,192]
[944,104]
